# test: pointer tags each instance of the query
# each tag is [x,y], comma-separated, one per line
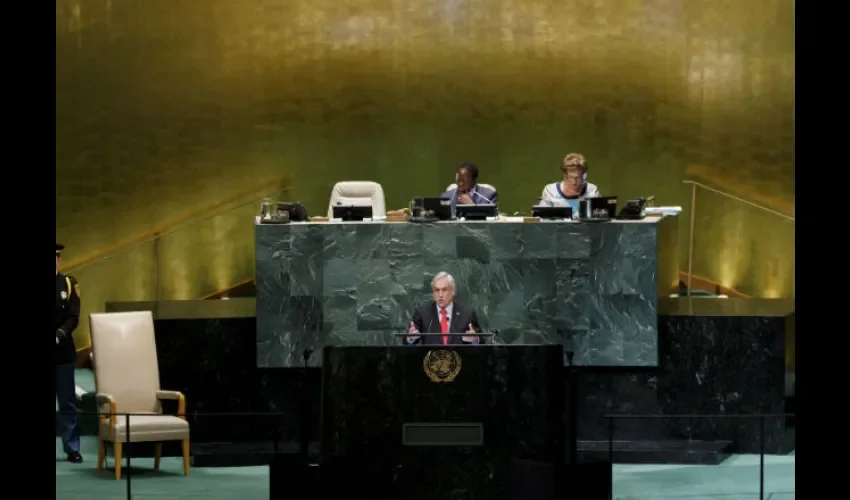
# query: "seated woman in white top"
[573,188]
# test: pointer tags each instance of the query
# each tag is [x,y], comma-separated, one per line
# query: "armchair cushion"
[127,366]
[145,428]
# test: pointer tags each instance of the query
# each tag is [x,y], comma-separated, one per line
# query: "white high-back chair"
[127,381]
[488,186]
[366,193]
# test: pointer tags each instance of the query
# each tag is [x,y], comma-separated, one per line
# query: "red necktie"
[444,325]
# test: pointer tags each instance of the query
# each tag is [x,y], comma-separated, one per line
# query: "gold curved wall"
[162,105]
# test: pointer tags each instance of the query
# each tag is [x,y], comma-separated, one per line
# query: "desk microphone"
[474,193]
[495,333]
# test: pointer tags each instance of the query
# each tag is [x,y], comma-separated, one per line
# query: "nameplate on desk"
[442,434]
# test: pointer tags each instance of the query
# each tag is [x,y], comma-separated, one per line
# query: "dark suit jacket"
[489,194]
[427,320]
[67,318]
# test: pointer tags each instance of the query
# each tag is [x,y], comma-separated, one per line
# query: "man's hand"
[465,199]
[470,335]
[412,333]
[59,335]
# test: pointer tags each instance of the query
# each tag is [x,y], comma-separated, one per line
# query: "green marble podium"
[426,423]
[591,287]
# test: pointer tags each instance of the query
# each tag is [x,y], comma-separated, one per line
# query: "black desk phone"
[634,209]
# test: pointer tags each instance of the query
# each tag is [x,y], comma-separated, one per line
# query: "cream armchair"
[366,193]
[127,381]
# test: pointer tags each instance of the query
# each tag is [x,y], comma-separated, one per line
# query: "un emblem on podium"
[442,365]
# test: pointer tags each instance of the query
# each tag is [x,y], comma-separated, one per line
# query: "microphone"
[306,355]
[474,193]
[495,333]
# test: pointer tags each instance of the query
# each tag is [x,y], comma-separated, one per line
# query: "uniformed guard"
[67,318]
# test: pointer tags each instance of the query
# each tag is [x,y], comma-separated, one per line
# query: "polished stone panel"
[590,287]
[717,357]
[513,394]
[228,399]
[717,362]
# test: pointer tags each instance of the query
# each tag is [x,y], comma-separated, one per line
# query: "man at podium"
[455,323]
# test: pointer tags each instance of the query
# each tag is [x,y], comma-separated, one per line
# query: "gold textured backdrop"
[164,105]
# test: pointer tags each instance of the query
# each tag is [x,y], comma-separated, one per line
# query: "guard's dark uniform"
[67,318]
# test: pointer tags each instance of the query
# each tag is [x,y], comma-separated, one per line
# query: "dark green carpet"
[82,481]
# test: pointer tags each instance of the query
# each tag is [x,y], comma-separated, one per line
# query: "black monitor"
[476,212]
[352,212]
[552,213]
[440,208]
[599,208]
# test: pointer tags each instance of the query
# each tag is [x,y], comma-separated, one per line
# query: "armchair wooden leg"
[157,454]
[117,453]
[186,457]
[101,454]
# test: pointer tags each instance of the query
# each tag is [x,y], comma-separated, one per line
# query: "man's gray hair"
[446,276]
